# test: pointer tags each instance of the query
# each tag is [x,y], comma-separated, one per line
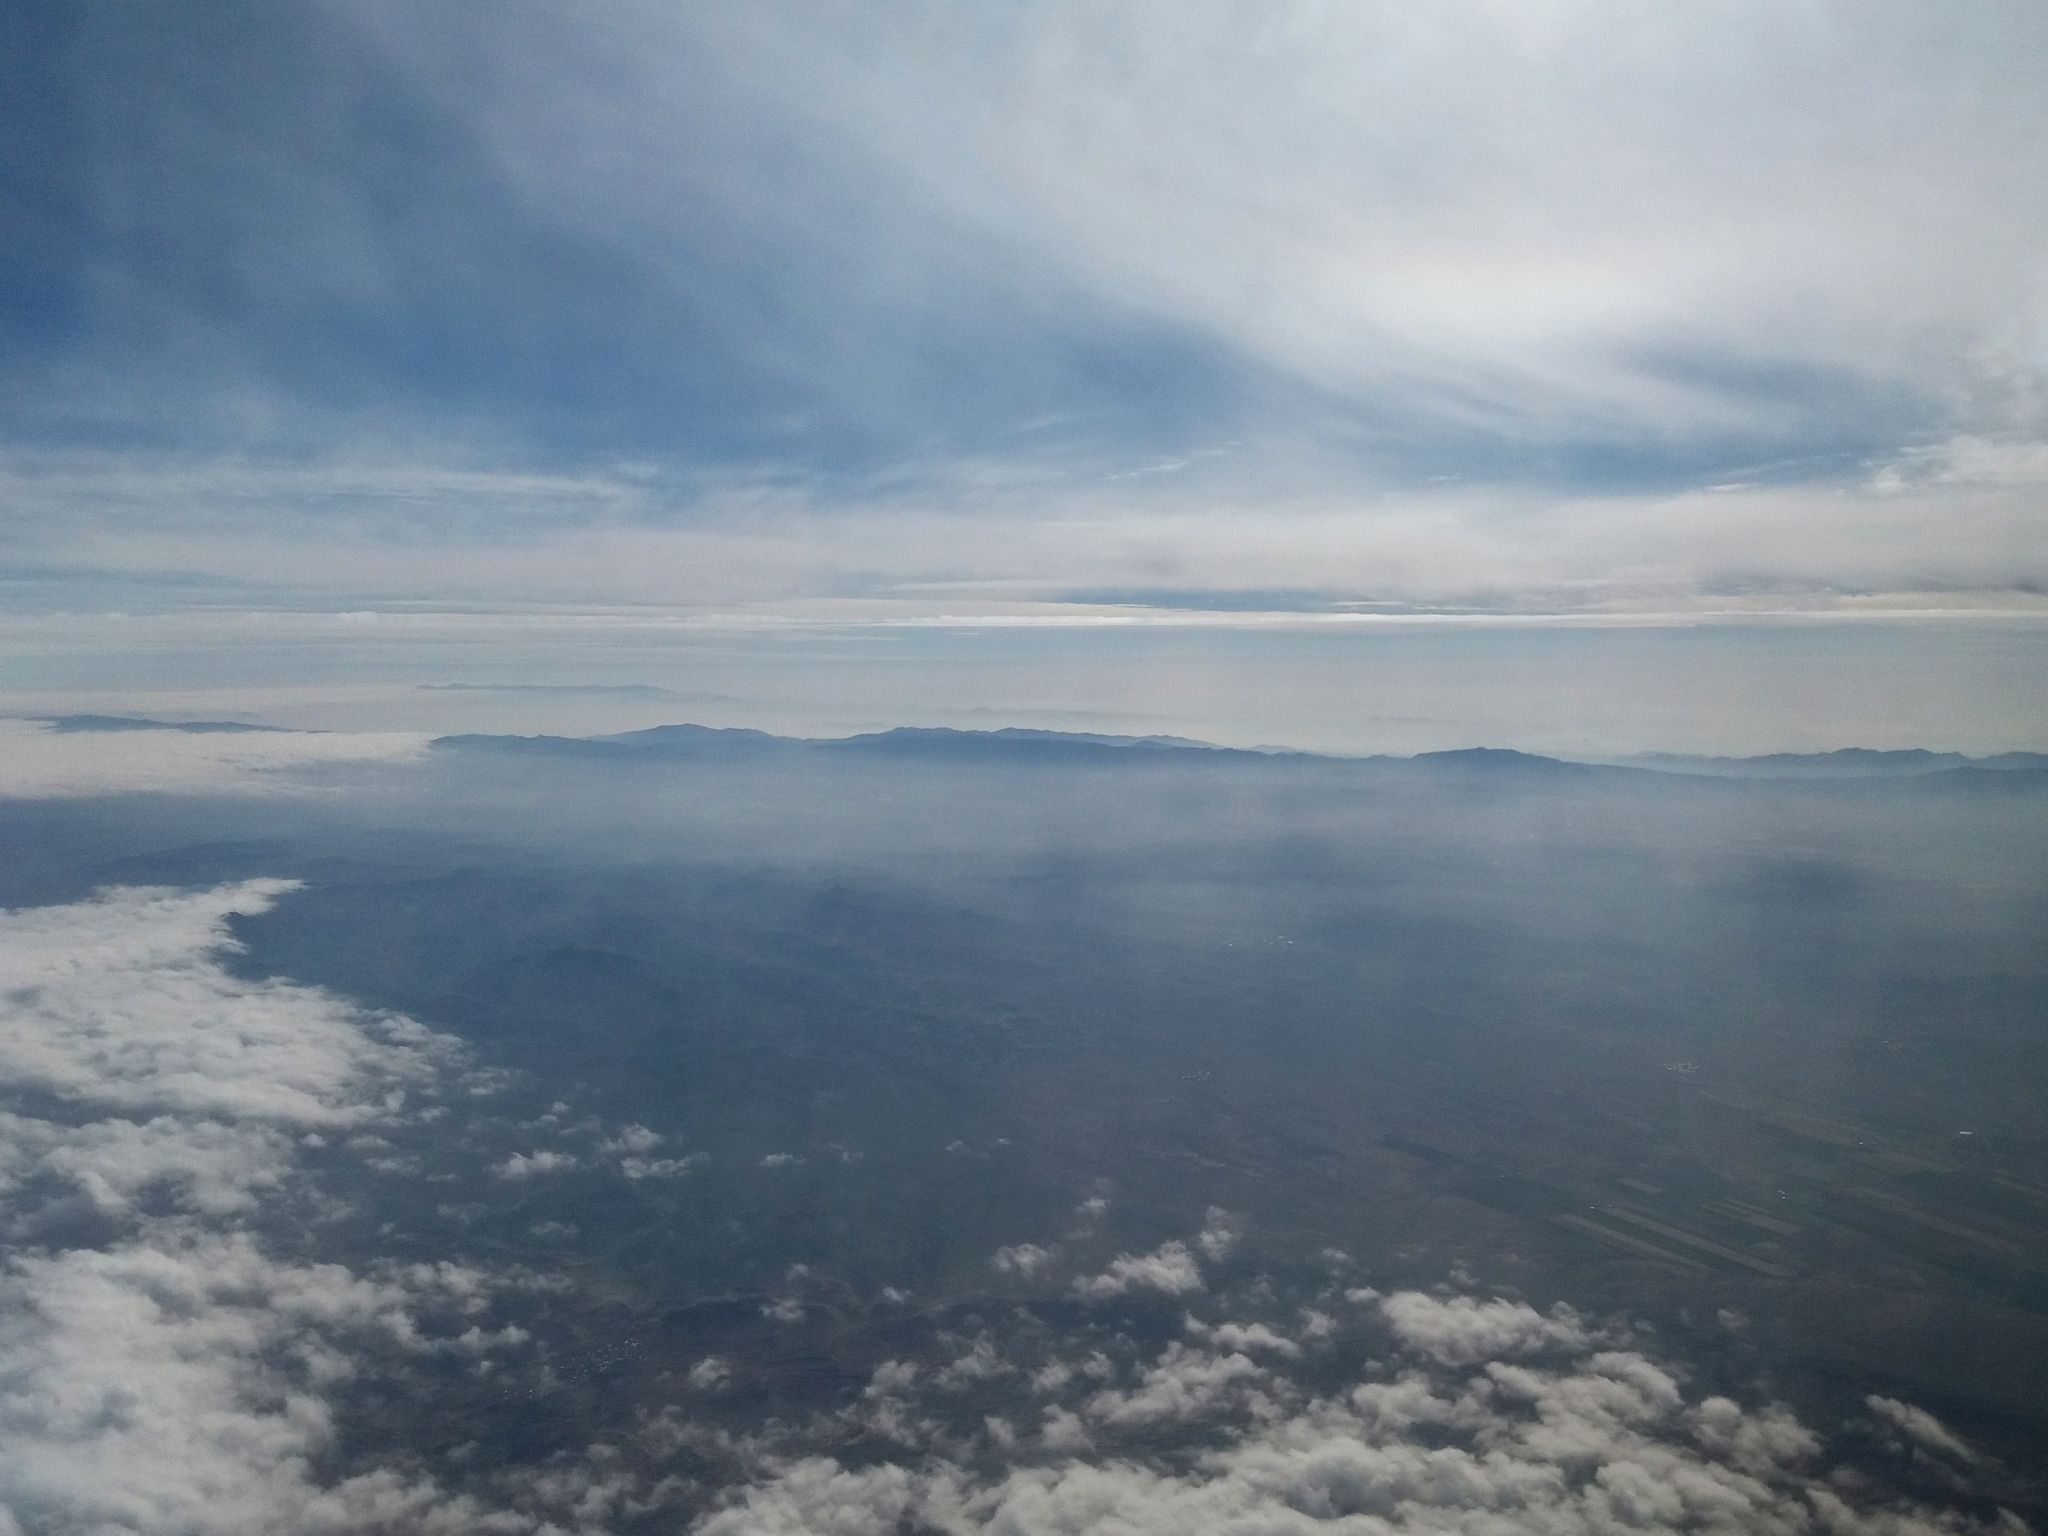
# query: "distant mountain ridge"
[926,743]
[1022,745]
[1843,763]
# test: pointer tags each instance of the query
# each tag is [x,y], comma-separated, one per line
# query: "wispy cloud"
[1566,310]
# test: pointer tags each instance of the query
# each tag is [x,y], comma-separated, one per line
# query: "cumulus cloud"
[1219,1234]
[177,1383]
[711,1374]
[1245,1337]
[204,1165]
[1026,1259]
[1170,1269]
[527,1165]
[1182,1384]
[120,1002]
[1454,1430]
[173,1376]
[636,1139]
[1458,1330]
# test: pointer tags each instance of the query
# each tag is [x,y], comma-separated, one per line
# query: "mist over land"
[993,1126]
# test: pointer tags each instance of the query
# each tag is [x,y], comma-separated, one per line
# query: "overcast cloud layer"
[818,312]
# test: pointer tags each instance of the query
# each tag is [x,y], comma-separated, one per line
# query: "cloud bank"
[161,1369]
[38,761]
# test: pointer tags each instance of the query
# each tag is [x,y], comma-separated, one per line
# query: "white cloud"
[527,1165]
[1170,1268]
[1458,1330]
[979,1362]
[37,761]
[637,1139]
[663,1167]
[1243,1337]
[1026,1259]
[119,1003]
[1181,1384]
[177,1383]
[176,1377]
[1219,1234]
[711,1374]
[203,1165]
[1455,1440]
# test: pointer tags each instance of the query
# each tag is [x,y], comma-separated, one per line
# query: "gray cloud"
[1921,1427]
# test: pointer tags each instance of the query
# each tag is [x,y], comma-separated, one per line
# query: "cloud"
[1920,1427]
[1219,1234]
[1169,1269]
[171,1374]
[527,1165]
[1491,223]
[120,1003]
[663,1167]
[1574,308]
[1026,1259]
[711,1374]
[637,1139]
[207,1166]
[1438,1437]
[178,1383]
[1181,1384]
[1458,1330]
[1245,1337]
[38,761]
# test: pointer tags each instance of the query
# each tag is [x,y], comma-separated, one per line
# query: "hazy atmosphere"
[807,769]
[633,337]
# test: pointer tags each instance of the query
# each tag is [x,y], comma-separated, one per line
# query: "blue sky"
[824,315]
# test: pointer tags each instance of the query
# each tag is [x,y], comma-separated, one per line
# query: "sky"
[355,346]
